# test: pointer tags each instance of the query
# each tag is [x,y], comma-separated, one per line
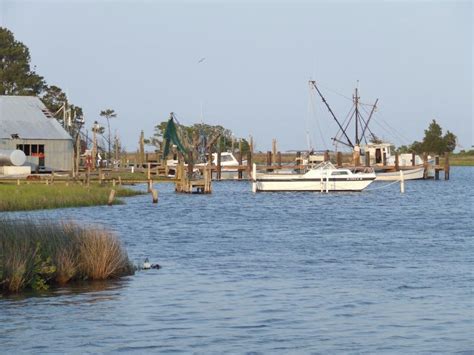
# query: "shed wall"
[58,154]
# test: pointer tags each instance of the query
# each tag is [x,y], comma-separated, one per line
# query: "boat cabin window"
[339,173]
[226,158]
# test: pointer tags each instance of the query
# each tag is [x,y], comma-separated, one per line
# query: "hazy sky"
[141,59]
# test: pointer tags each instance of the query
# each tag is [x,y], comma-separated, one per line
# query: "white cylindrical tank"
[12,157]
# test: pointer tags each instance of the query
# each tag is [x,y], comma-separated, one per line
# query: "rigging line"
[348,118]
[368,128]
[312,99]
[395,130]
[390,130]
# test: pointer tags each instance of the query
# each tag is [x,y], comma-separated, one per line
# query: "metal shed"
[26,124]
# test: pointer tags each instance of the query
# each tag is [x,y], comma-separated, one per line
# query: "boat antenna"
[333,115]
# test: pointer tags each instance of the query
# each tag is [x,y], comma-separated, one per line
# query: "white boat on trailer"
[323,178]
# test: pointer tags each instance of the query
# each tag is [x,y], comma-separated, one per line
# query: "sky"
[144,60]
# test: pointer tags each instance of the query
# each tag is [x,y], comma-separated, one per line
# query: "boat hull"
[409,174]
[354,184]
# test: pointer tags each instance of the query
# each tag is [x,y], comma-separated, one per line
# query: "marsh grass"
[35,255]
[42,196]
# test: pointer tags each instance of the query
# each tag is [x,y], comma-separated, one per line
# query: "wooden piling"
[148,170]
[446,166]
[436,168]
[298,161]
[269,160]
[279,159]
[120,181]
[384,159]
[150,185]
[249,162]
[326,155]
[113,182]
[111,197]
[219,166]
[413,159]
[274,150]
[397,164]
[18,182]
[339,159]
[240,173]
[367,158]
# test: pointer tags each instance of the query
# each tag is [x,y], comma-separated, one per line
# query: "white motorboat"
[324,178]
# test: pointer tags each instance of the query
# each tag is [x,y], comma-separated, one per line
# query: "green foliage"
[433,142]
[191,136]
[16,76]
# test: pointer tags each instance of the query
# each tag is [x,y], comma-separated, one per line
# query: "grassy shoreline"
[37,255]
[41,196]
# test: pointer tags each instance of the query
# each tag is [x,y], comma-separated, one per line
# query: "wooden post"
[190,165]
[113,182]
[88,176]
[154,194]
[239,171]
[384,159]
[446,166]
[326,155]
[279,159]
[269,160]
[18,182]
[367,158]
[219,166]
[298,161]
[356,157]
[339,159]
[148,171]
[437,168]
[274,150]
[120,181]
[413,159]
[249,163]
[111,197]
[150,185]
[397,165]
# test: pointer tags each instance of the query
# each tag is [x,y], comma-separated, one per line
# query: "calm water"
[273,273]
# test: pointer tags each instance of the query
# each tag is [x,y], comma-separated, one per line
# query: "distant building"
[27,125]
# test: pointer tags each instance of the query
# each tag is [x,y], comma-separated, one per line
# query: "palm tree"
[108,114]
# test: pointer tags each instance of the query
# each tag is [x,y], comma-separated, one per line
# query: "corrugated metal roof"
[28,117]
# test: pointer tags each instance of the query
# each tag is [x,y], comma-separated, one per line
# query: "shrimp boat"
[324,177]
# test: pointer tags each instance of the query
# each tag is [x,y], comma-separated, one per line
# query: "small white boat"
[324,178]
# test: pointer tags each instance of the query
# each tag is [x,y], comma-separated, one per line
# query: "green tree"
[450,141]
[16,76]
[53,98]
[108,114]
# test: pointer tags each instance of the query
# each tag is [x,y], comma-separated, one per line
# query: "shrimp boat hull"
[408,174]
[325,178]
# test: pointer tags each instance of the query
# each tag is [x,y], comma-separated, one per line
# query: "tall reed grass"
[41,196]
[34,255]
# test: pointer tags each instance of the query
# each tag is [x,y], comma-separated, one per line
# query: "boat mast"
[333,115]
[356,103]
